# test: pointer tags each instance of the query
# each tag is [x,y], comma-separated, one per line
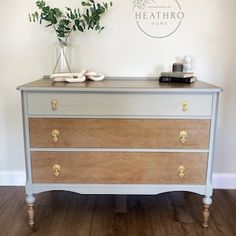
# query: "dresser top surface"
[116,84]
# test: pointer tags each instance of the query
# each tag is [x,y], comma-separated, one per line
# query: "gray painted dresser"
[119,136]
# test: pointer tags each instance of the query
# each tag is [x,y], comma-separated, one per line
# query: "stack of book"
[177,77]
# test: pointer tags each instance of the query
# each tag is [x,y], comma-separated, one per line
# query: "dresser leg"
[206,205]
[30,199]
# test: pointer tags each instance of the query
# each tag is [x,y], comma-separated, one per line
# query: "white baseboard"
[18,178]
[12,178]
[224,180]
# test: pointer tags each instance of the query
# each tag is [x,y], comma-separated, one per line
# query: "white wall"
[208,34]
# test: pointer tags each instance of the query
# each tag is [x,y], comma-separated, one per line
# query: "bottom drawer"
[119,168]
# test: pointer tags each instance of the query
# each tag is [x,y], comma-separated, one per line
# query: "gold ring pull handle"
[183,136]
[54,104]
[56,170]
[55,135]
[181,171]
[185,106]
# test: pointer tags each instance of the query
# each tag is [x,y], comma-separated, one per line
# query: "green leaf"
[102,28]
[79,12]
[46,9]
[64,22]
[33,16]
[77,22]
[72,16]
[83,24]
[40,4]
[105,5]
[53,20]
[75,13]
[57,12]
[86,4]
[87,12]
[92,10]
[36,15]
[86,18]
[97,27]
[80,28]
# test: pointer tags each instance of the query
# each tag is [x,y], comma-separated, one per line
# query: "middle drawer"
[118,133]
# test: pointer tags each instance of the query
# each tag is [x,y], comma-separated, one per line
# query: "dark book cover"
[169,79]
[177,74]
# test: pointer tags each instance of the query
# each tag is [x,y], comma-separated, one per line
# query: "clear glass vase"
[62,57]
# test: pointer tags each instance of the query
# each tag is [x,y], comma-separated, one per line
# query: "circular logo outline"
[165,36]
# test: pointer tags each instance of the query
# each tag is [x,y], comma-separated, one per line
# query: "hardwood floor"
[65,213]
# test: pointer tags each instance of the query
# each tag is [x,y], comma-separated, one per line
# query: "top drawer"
[118,104]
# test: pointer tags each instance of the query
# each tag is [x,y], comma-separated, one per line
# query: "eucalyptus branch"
[72,19]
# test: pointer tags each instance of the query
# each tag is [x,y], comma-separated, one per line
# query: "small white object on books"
[188,63]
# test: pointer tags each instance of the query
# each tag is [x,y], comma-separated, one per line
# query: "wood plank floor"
[65,213]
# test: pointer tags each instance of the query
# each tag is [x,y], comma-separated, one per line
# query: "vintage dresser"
[119,136]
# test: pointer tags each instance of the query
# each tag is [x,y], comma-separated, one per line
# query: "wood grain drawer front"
[118,104]
[119,168]
[118,133]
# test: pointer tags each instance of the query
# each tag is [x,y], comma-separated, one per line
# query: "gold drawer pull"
[55,135]
[181,171]
[54,104]
[185,106]
[183,136]
[56,170]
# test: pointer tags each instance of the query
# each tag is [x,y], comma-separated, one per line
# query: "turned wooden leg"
[31,215]
[30,210]
[206,205]
[206,215]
